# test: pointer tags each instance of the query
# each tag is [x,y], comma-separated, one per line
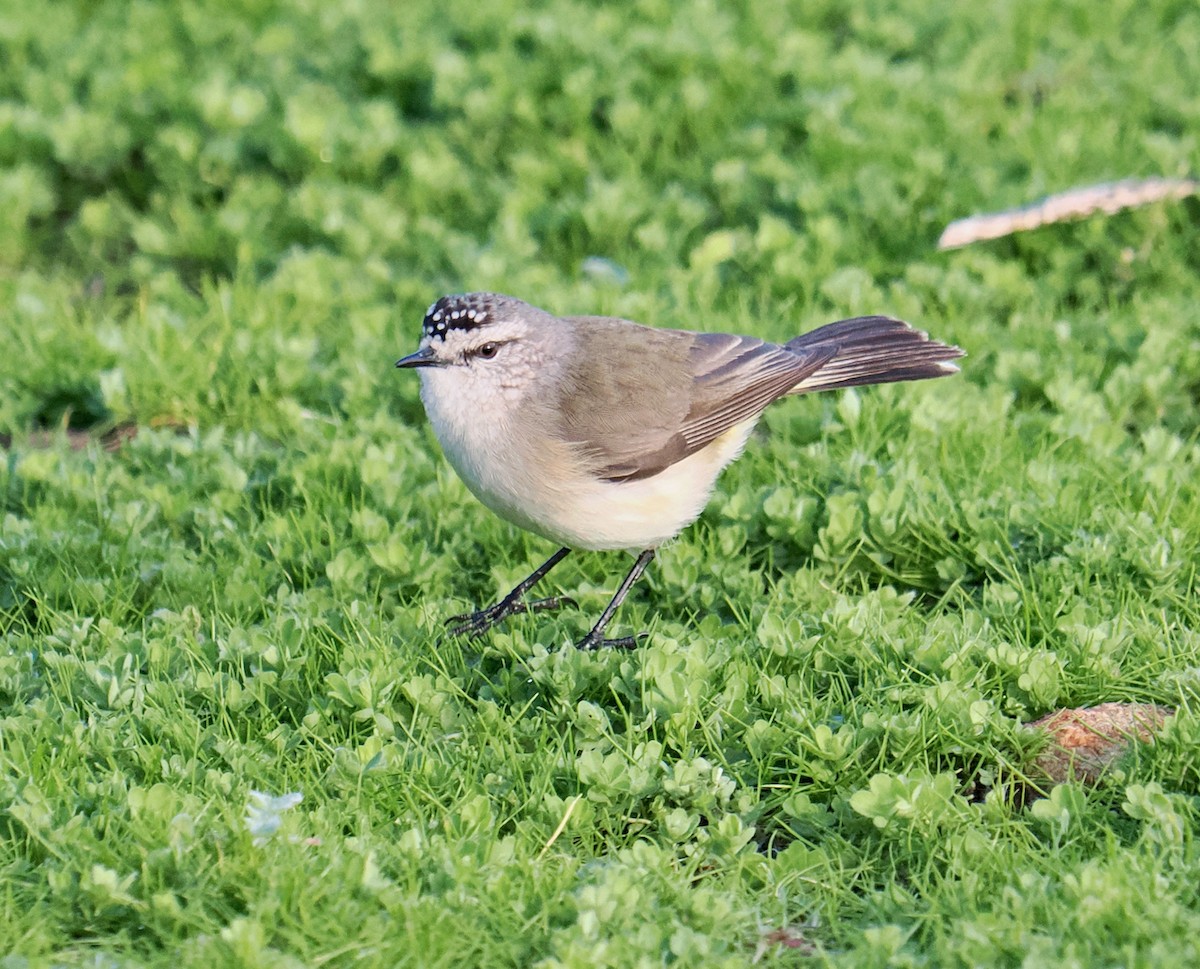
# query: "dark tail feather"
[873,350]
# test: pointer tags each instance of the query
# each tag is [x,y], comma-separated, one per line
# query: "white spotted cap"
[460,312]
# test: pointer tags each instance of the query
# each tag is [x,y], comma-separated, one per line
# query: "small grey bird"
[599,433]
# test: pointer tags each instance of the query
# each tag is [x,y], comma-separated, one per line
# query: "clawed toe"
[549,603]
[470,624]
[474,624]
[593,641]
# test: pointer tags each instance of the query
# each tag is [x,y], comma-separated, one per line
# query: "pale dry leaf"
[1075,203]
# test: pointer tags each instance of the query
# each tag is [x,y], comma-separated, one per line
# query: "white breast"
[539,484]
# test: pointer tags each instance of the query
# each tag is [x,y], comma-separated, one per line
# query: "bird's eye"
[488,350]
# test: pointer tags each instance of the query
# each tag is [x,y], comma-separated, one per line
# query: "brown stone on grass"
[1087,741]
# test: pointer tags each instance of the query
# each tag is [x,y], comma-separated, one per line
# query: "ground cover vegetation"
[228,537]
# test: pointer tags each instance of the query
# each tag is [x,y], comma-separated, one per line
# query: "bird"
[603,434]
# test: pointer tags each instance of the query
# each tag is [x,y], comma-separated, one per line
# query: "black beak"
[424,357]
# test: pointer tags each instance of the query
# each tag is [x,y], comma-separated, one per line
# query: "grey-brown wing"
[624,392]
[736,377]
[644,399]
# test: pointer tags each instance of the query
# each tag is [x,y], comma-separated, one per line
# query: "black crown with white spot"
[458,313]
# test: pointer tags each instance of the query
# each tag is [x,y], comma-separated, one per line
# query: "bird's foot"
[595,640]
[472,624]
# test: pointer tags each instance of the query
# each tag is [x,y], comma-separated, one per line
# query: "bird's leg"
[474,623]
[595,638]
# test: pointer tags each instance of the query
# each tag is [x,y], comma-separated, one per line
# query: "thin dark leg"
[596,638]
[474,623]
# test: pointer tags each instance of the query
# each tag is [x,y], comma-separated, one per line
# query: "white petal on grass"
[264,813]
[605,270]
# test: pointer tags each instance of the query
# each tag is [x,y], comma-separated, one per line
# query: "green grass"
[222,224]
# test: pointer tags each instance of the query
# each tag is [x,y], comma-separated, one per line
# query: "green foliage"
[221,224]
